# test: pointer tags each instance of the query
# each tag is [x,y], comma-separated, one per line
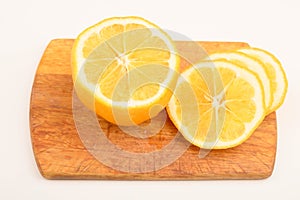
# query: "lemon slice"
[217,105]
[275,73]
[253,65]
[124,69]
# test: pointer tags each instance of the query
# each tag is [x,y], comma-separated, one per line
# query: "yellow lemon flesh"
[252,64]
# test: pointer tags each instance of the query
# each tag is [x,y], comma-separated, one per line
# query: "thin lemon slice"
[124,69]
[217,105]
[253,65]
[275,72]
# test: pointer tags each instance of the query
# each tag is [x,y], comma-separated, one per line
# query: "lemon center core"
[218,101]
[123,60]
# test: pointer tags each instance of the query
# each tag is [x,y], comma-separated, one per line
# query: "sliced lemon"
[275,73]
[124,69]
[253,65]
[217,105]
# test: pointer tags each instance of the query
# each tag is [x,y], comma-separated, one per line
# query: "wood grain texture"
[60,153]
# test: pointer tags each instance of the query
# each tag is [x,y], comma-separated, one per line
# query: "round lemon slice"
[124,69]
[217,104]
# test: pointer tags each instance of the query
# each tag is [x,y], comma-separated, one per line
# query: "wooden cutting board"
[61,154]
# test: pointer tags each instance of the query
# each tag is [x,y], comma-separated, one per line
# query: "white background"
[26,27]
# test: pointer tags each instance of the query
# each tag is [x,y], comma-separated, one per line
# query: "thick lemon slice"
[217,105]
[124,69]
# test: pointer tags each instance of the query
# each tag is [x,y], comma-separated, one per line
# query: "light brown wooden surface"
[60,154]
